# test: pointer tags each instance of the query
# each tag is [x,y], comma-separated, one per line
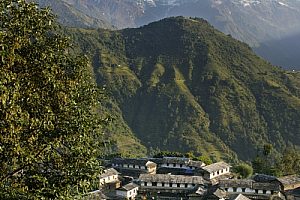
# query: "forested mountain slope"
[184,86]
[254,22]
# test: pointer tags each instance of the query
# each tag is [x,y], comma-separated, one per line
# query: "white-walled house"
[109,176]
[163,182]
[174,162]
[137,165]
[179,163]
[128,191]
[249,187]
[216,170]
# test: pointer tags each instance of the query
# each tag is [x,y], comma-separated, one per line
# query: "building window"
[234,189]
[174,165]
[139,166]
[154,184]
[186,185]
[145,183]
[180,165]
[226,189]
[178,184]
[243,189]
[167,164]
[264,191]
[256,190]
[170,184]
[163,184]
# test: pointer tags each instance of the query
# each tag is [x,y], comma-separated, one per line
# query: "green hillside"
[181,85]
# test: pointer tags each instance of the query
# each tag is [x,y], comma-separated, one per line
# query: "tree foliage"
[243,170]
[288,163]
[50,132]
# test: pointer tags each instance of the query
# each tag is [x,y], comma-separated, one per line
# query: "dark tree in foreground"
[49,129]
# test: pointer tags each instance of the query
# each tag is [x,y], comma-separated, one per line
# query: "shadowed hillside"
[182,85]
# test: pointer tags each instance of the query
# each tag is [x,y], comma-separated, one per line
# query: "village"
[185,179]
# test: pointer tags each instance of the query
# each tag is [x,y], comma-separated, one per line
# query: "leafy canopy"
[50,132]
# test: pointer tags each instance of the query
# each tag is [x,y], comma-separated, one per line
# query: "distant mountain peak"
[251,21]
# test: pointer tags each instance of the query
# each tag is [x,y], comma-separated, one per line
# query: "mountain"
[282,52]
[69,15]
[256,22]
[251,21]
[181,85]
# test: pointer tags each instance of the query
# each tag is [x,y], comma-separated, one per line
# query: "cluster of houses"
[183,178]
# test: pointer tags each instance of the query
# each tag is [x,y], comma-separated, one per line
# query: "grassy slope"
[183,86]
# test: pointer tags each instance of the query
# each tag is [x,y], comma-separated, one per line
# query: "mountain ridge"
[196,89]
[252,21]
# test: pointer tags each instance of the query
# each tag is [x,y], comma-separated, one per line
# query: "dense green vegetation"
[183,86]
[53,123]
[176,85]
[268,162]
[243,170]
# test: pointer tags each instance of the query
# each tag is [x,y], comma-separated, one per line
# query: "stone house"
[177,163]
[109,176]
[134,167]
[250,187]
[215,170]
[128,191]
[169,183]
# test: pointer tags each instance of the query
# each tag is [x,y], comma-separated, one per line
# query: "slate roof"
[197,164]
[219,193]
[264,178]
[248,183]
[167,178]
[289,180]
[109,172]
[266,186]
[244,183]
[128,187]
[216,167]
[177,160]
[132,161]
[238,197]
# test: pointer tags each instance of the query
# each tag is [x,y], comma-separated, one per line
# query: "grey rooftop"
[167,178]
[109,172]
[128,187]
[216,167]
